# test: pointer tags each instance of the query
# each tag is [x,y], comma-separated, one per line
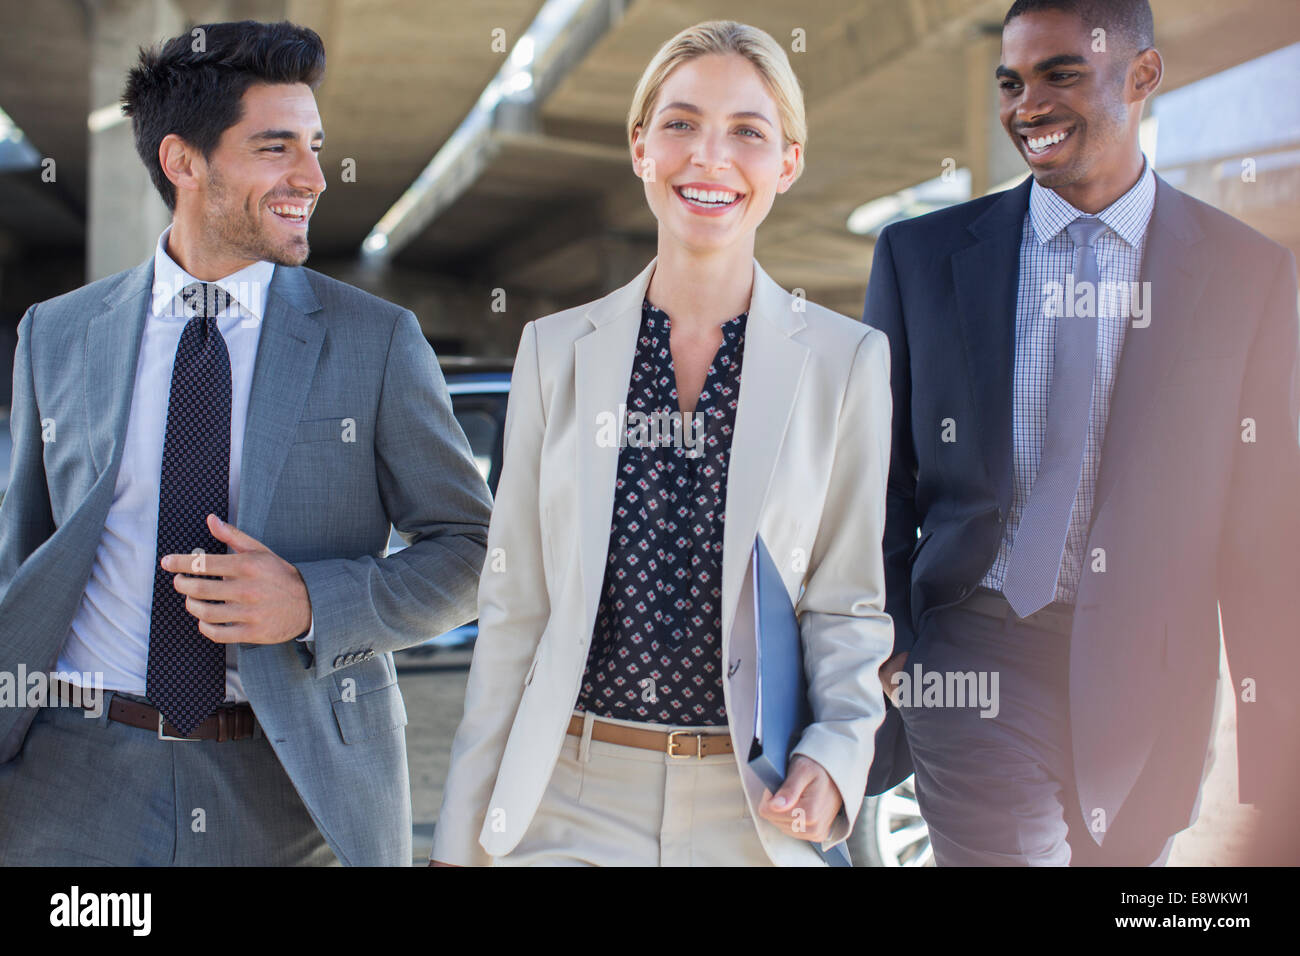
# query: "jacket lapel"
[771,366]
[112,352]
[1174,266]
[986,276]
[287,352]
[602,368]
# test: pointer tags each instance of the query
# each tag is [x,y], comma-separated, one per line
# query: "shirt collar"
[248,287]
[1127,216]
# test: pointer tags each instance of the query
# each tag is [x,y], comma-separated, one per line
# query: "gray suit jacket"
[327,352]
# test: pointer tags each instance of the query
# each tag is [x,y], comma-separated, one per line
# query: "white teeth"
[291,212]
[711,196]
[1042,142]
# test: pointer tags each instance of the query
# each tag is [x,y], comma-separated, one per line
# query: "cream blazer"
[809,459]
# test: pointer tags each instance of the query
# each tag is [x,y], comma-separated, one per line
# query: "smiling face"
[712,155]
[1073,111]
[256,192]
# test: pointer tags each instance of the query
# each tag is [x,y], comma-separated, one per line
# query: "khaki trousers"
[610,805]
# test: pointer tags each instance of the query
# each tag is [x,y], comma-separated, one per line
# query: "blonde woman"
[651,436]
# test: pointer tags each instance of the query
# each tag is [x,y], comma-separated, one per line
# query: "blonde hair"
[723,37]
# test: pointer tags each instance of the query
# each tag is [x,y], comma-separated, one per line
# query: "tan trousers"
[610,805]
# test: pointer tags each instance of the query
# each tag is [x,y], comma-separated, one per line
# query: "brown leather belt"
[675,743]
[229,722]
[1056,616]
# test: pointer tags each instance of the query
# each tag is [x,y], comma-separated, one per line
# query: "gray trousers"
[94,792]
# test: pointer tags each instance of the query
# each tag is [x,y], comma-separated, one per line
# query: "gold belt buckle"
[672,745]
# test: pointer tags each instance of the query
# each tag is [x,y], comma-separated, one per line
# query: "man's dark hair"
[1128,19]
[193,84]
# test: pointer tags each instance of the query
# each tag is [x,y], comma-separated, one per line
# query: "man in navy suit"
[1094,456]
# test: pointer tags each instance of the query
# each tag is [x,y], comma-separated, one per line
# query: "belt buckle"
[163,736]
[672,745]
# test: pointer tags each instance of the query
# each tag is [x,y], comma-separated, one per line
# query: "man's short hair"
[1128,19]
[192,85]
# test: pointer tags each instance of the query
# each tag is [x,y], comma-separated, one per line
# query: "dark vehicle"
[479,390]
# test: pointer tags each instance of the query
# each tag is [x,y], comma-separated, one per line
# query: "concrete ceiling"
[401,76]
[891,86]
[888,92]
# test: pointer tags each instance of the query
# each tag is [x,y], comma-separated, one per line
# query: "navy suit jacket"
[1198,495]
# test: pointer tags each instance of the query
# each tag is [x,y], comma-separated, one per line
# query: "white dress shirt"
[110,632]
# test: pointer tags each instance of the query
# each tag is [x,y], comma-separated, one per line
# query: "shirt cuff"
[310,636]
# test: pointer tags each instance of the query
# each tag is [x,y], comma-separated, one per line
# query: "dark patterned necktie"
[186,677]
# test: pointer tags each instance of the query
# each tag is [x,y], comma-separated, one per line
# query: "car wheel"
[890,831]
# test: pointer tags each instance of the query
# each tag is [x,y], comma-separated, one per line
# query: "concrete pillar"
[124,211]
[989,154]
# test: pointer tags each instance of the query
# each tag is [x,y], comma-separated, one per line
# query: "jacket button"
[338,661]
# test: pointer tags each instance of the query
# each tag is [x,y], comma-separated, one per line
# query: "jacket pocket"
[371,713]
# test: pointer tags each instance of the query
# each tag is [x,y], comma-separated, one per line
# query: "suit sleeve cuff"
[833,757]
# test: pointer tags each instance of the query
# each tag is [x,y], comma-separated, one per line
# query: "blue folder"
[781,711]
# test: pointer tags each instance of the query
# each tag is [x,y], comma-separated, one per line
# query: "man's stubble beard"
[240,230]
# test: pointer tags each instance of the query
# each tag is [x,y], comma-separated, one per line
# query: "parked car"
[479,390]
[890,831]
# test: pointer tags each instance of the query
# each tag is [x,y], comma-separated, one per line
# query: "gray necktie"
[1039,545]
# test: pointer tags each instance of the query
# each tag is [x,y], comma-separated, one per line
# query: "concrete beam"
[474,146]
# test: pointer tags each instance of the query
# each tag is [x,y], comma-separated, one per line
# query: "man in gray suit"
[226,586]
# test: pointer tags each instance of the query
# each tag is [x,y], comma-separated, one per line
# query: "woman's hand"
[807,803]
